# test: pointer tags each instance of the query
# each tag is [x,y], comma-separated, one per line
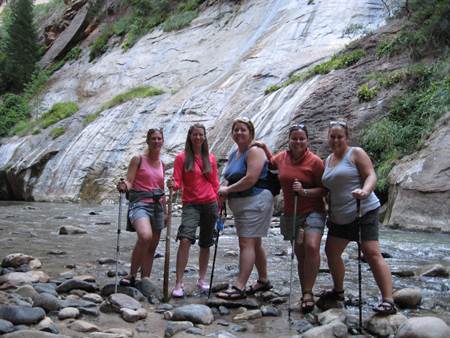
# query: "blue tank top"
[341,180]
[237,169]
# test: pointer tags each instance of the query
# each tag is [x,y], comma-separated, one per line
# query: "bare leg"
[247,258]
[260,260]
[203,260]
[334,248]
[311,262]
[380,269]
[141,248]
[182,259]
[147,266]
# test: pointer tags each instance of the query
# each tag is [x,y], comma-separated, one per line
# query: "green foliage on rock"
[57,132]
[58,112]
[366,93]
[100,45]
[427,28]
[13,108]
[411,117]
[133,93]
[338,61]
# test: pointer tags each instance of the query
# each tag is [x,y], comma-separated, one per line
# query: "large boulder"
[423,327]
[19,278]
[420,185]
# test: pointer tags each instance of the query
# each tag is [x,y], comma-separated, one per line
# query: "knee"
[373,257]
[144,238]
[311,249]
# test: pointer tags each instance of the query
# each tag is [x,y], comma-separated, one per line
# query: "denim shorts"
[312,222]
[198,215]
[153,211]
[369,228]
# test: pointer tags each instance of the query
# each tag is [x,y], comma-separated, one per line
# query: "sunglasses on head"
[338,123]
[297,127]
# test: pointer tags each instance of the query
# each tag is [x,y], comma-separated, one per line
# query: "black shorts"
[369,228]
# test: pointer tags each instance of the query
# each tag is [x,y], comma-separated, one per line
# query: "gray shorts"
[153,211]
[312,222]
[252,214]
[198,215]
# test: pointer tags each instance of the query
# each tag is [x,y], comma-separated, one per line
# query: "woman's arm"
[255,163]
[176,181]
[127,184]
[366,171]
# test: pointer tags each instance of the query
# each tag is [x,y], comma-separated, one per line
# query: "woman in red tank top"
[145,176]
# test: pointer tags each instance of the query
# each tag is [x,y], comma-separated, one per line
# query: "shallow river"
[32,228]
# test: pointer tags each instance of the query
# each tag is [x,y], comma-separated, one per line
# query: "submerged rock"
[76,284]
[408,298]
[248,315]
[248,303]
[33,334]
[71,230]
[436,270]
[82,326]
[133,315]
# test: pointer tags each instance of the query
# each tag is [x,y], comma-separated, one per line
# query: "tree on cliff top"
[19,46]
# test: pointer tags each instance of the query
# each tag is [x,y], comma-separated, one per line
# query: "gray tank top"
[341,180]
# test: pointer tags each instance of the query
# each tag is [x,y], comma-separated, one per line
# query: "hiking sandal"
[128,281]
[307,304]
[333,295]
[386,307]
[232,294]
[258,287]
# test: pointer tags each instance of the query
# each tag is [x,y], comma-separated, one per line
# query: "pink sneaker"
[178,291]
[202,285]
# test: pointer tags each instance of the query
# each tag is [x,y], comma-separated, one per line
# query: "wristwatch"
[306,192]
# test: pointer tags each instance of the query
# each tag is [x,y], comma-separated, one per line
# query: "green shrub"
[13,108]
[131,94]
[56,132]
[366,94]
[179,20]
[121,26]
[100,44]
[91,117]
[338,61]
[58,112]
[354,28]
[45,10]
[73,54]
[388,79]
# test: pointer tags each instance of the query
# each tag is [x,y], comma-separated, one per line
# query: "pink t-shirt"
[148,178]
[197,187]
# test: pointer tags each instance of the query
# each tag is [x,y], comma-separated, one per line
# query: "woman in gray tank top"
[349,175]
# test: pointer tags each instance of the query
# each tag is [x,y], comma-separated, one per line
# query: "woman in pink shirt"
[145,185]
[195,172]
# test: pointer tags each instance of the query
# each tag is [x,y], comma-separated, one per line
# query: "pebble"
[195,313]
[71,230]
[174,327]
[82,326]
[21,314]
[68,312]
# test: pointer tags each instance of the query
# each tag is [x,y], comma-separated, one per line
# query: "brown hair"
[247,122]
[298,126]
[189,152]
[154,130]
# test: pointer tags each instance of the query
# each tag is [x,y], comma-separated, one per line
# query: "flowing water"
[32,228]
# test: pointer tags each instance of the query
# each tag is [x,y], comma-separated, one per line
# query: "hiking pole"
[294,224]
[167,254]
[219,227]
[119,221]
[358,219]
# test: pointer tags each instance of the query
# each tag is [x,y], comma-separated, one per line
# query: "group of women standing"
[345,176]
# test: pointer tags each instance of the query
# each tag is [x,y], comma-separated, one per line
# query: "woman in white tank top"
[349,176]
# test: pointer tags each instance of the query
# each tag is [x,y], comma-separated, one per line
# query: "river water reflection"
[32,228]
